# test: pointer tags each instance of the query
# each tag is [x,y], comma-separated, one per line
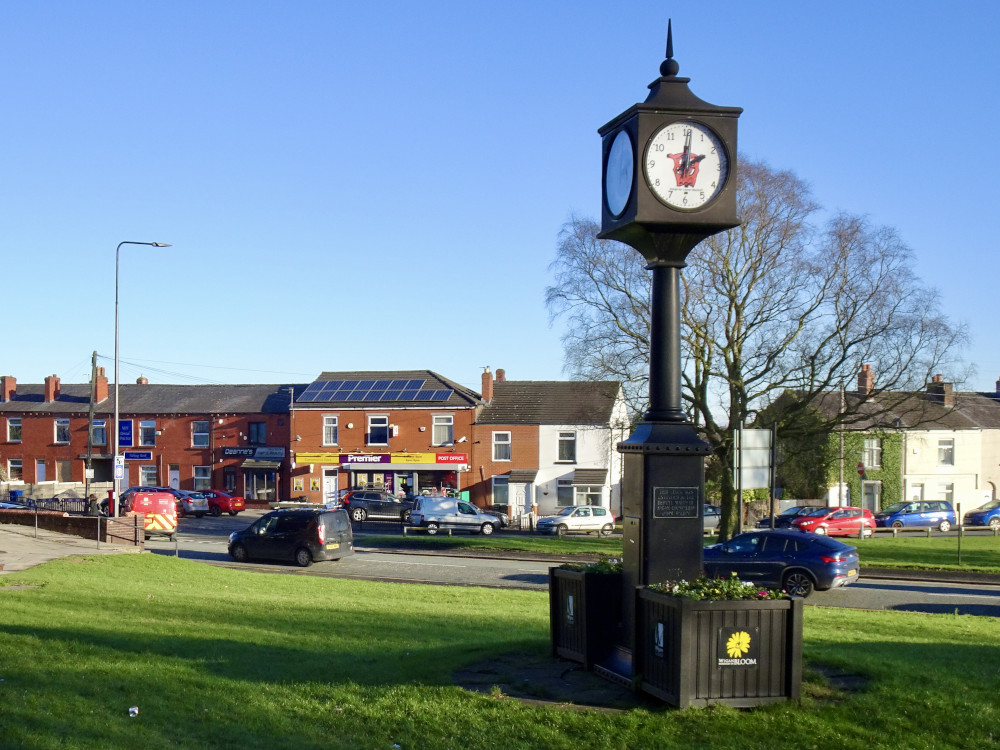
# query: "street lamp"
[114,508]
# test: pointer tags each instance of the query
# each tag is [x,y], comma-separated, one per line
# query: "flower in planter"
[605,564]
[717,589]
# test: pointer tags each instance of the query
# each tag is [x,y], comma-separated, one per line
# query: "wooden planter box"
[738,653]
[585,610]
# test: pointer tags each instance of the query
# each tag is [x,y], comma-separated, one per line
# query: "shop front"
[261,471]
[395,473]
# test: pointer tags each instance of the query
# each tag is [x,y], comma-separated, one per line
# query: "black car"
[362,504]
[795,561]
[784,519]
[303,535]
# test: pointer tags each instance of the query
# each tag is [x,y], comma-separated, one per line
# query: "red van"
[159,510]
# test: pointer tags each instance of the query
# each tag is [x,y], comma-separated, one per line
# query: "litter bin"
[16,495]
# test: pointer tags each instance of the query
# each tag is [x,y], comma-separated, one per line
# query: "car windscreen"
[818,512]
[567,511]
[990,506]
[895,508]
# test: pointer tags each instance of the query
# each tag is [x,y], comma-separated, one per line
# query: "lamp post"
[114,509]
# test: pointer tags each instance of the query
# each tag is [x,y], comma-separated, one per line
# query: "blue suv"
[935,513]
[987,515]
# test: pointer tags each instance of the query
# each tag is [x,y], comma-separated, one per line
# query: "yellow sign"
[413,458]
[298,484]
[317,458]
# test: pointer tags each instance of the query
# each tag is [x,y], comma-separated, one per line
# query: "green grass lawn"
[234,659]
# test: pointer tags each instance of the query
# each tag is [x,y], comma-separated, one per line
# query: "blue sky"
[381,185]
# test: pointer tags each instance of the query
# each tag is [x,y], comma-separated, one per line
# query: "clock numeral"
[659,147]
[651,163]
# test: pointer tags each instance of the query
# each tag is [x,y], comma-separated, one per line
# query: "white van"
[434,512]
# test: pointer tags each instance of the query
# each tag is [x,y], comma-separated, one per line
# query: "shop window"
[147,432]
[199,434]
[15,470]
[378,430]
[501,446]
[501,490]
[331,425]
[147,474]
[443,431]
[946,452]
[99,435]
[567,447]
[564,492]
[202,477]
[13,429]
[62,430]
[258,433]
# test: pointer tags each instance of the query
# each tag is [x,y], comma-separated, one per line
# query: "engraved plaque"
[675,502]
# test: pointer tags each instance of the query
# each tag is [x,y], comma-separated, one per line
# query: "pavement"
[21,549]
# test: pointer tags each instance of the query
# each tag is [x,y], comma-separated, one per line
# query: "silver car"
[586,518]
[433,512]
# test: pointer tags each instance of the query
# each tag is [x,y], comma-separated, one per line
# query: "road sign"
[119,467]
[138,455]
[861,469]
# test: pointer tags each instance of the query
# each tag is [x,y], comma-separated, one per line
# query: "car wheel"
[432,528]
[216,511]
[944,526]
[358,514]
[563,529]
[897,524]
[820,530]
[303,557]
[995,523]
[239,553]
[199,515]
[487,529]
[406,516]
[607,528]
[798,583]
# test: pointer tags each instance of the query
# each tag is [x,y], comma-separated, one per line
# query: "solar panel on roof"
[372,396]
[350,384]
[331,385]
[313,387]
[441,395]
[391,395]
[366,384]
[399,384]
[382,384]
[307,397]
[408,394]
[423,396]
[417,384]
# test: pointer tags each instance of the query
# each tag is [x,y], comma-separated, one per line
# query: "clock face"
[686,165]
[618,173]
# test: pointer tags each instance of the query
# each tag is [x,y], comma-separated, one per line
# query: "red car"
[220,502]
[842,521]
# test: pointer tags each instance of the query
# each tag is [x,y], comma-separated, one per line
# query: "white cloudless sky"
[381,185]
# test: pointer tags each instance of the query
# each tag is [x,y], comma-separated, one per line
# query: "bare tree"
[771,308]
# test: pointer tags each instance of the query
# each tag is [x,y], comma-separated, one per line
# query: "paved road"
[205,539]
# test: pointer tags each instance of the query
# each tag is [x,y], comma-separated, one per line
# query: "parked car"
[303,535]
[986,515]
[188,503]
[784,519]
[433,512]
[220,502]
[712,514]
[362,504]
[798,563]
[840,521]
[578,518]
[13,506]
[935,513]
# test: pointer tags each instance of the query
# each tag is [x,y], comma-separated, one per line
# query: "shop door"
[329,485]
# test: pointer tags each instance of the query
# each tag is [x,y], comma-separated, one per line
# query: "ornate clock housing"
[679,185]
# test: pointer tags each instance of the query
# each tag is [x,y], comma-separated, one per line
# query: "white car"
[578,518]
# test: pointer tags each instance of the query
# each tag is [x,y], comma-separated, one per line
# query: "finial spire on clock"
[669,67]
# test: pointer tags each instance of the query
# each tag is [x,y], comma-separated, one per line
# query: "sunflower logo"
[738,644]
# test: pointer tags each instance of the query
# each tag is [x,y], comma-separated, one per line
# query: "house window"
[946,452]
[443,431]
[501,446]
[873,453]
[258,433]
[15,470]
[585,495]
[202,477]
[564,492]
[946,492]
[147,474]
[199,434]
[64,471]
[378,430]
[330,425]
[62,430]
[13,429]
[99,435]
[501,490]
[147,432]
[567,446]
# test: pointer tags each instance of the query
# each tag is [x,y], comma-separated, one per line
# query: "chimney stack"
[101,387]
[487,385]
[501,376]
[8,387]
[866,380]
[940,391]
[51,388]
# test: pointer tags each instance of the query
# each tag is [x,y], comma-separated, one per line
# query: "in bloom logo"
[737,647]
